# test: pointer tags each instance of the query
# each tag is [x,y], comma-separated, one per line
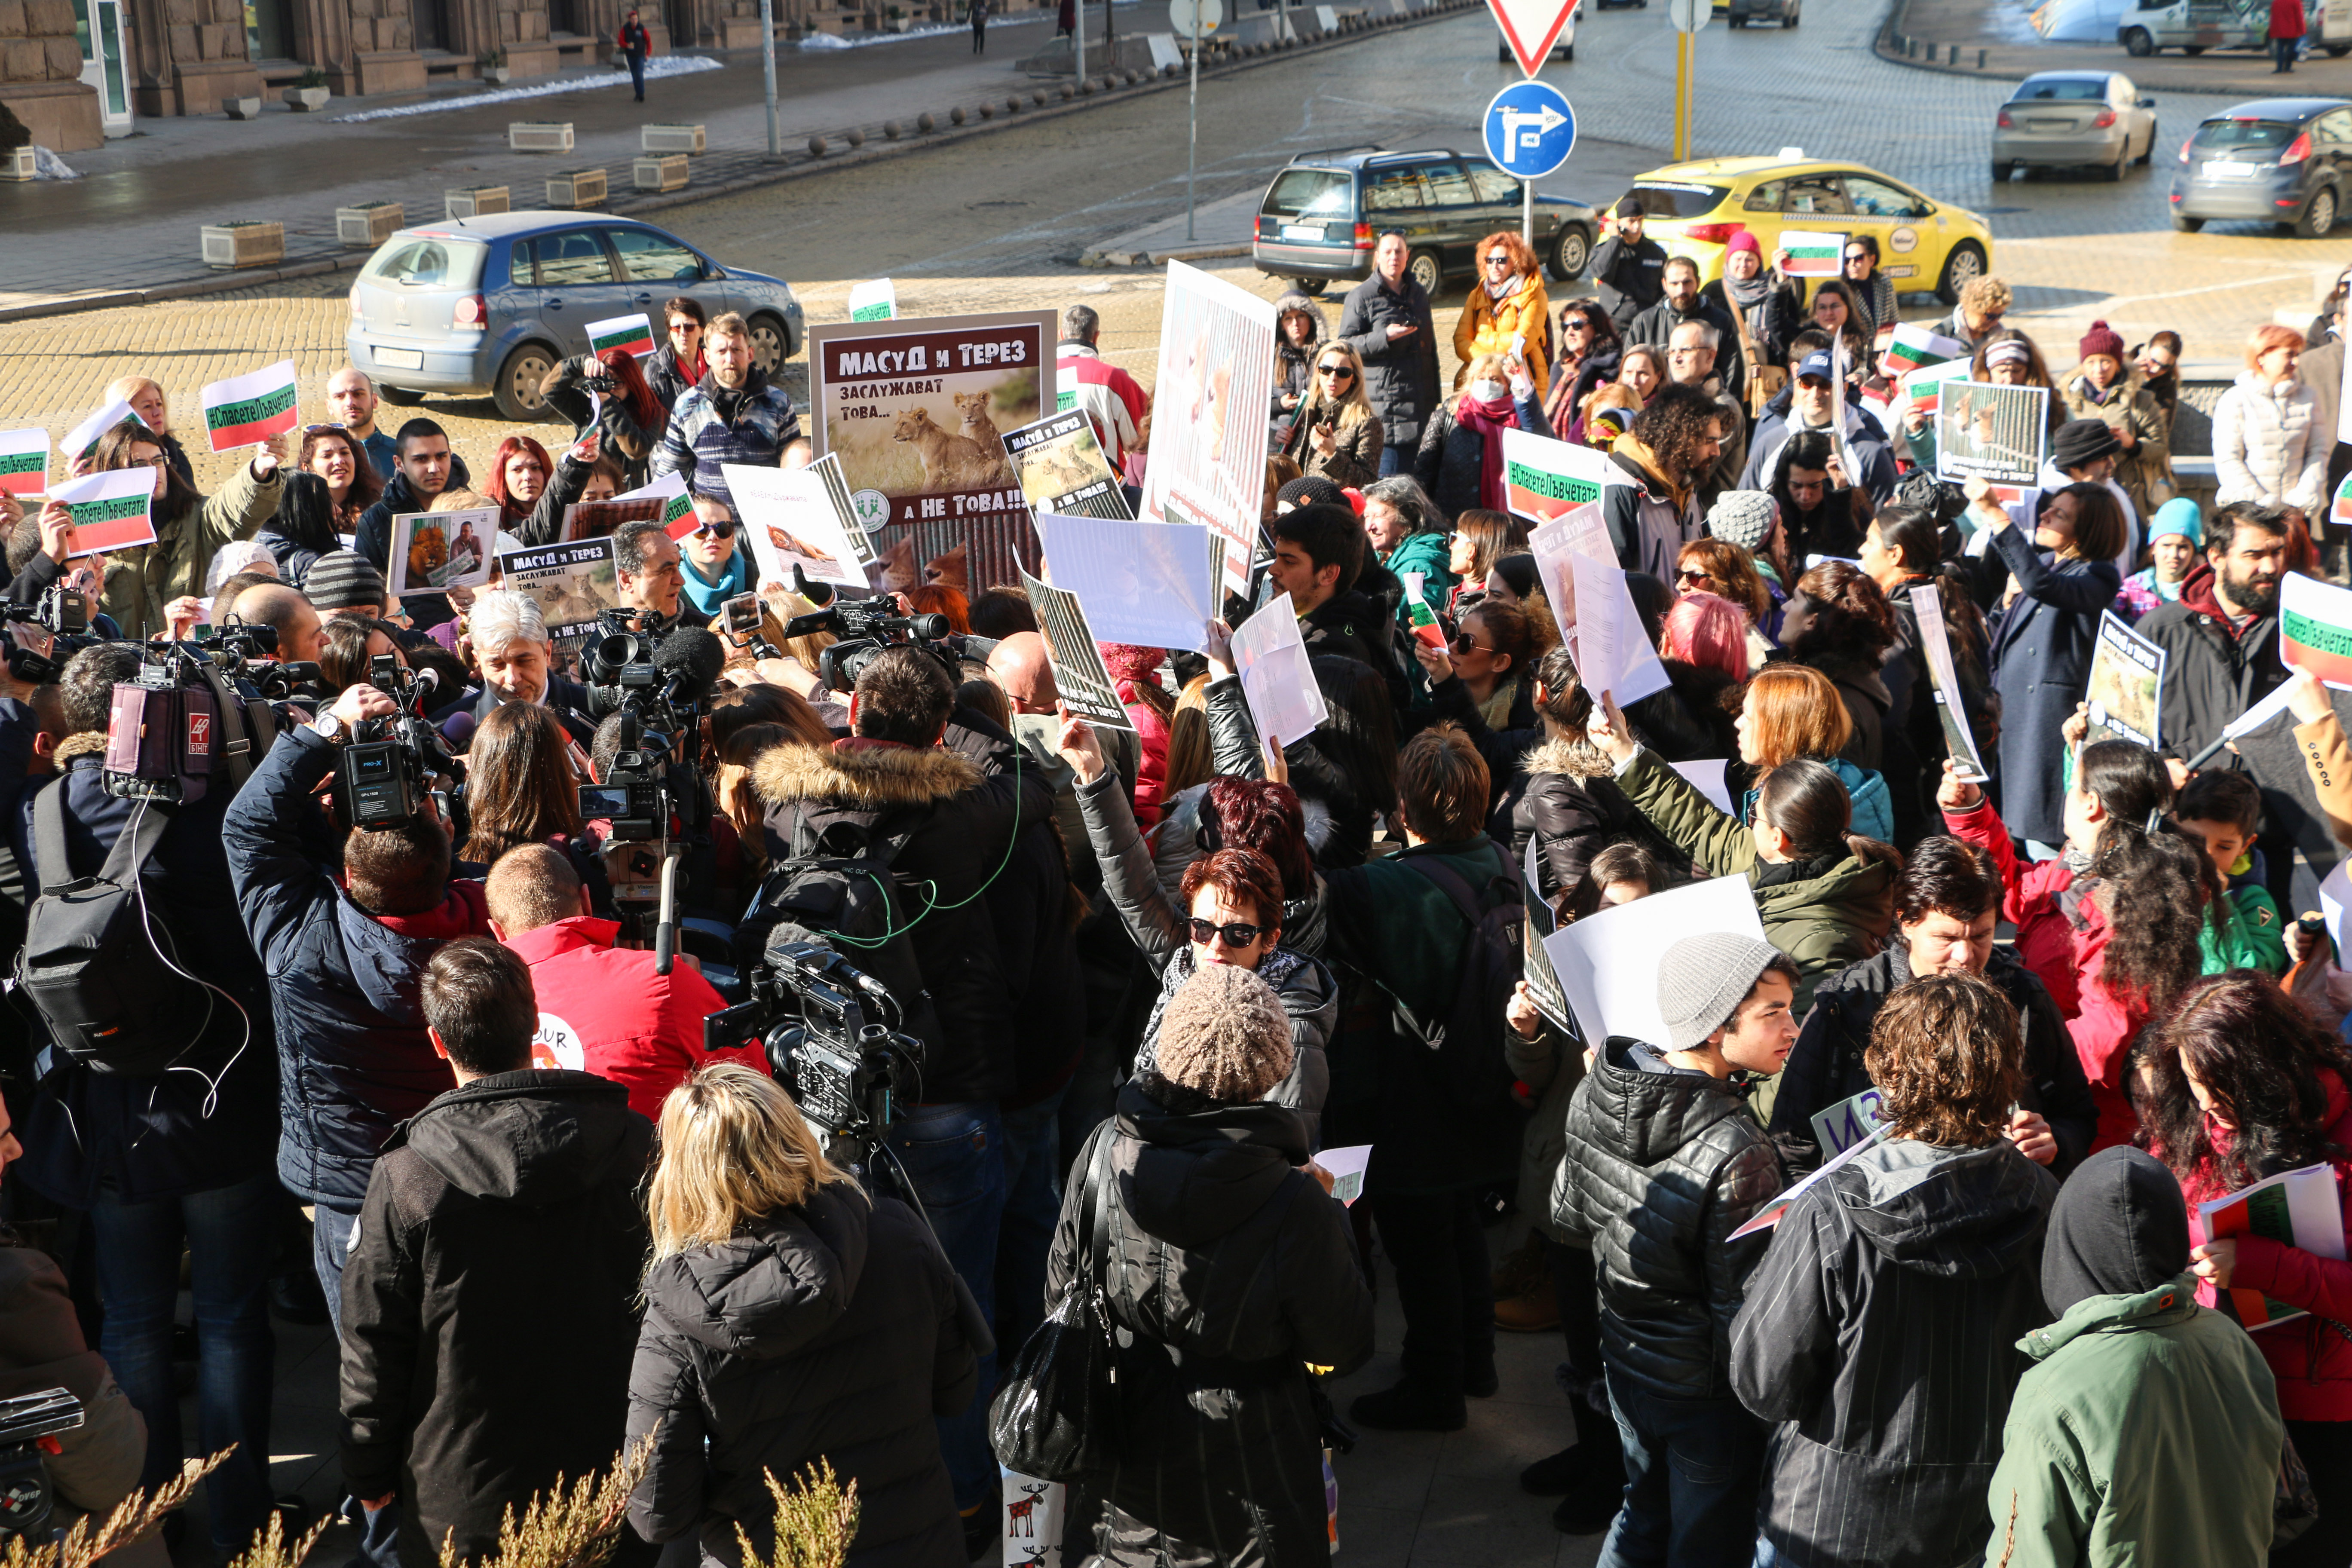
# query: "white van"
[2193,26]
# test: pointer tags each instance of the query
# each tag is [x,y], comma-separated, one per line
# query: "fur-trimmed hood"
[861,773]
[1568,756]
[90,744]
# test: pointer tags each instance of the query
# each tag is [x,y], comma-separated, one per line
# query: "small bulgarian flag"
[1811,254]
[110,509]
[874,301]
[1923,388]
[1915,347]
[2316,629]
[2338,512]
[247,409]
[635,333]
[23,461]
[677,506]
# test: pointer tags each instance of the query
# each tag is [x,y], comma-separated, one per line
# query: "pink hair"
[1709,631]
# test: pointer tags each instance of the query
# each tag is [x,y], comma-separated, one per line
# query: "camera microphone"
[821,594]
[692,655]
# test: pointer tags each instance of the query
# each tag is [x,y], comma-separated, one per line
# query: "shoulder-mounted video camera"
[812,1011]
[44,634]
[193,717]
[865,626]
[29,1428]
[383,777]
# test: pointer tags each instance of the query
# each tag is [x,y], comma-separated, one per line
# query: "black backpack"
[845,895]
[93,963]
[1467,1039]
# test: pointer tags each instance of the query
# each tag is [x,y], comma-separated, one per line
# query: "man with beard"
[733,414]
[2221,644]
[1683,306]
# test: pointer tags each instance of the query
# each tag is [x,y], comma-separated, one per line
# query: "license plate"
[2220,169]
[2049,125]
[1310,231]
[400,359]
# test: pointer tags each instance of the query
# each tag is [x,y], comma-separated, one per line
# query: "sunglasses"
[1575,326]
[1236,935]
[315,429]
[1465,644]
[1854,256]
[716,530]
[1338,372]
[1500,258]
[1692,575]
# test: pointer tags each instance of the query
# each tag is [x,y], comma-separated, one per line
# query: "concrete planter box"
[576,191]
[305,100]
[539,136]
[369,224]
[666,173]
[18,164]
[670,139]
[476,201]
[241,108]
[228,246]
[497,75]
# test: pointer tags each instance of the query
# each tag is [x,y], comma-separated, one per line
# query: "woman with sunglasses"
[718,565]
[1484,678]
[1507,312]
[1872,290]
[1590,352]
[1335,433]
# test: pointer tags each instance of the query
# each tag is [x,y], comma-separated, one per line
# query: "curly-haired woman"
[1508,312]
[1648,498]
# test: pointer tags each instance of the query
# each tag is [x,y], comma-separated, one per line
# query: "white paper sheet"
[1706,775]
[1607,961]
[1346,1167]
[1277,680]
[1144,582]
[1612,652]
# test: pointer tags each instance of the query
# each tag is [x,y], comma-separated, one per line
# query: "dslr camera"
[865,626]
[29,1428]
[814,1014]
[383,777]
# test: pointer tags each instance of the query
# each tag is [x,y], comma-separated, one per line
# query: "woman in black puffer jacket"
[791,1317]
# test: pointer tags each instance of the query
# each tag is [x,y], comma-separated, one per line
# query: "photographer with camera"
[161,1130]
[649,574]
[285,612]
[508,635]
[490,1308]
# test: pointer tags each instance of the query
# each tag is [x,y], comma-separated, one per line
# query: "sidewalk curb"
[803,166]
[1201,251]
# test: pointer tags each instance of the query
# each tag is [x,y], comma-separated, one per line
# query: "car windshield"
[2064,89]
[415,262]
[1303,193]
[2243,136]
[1659,199]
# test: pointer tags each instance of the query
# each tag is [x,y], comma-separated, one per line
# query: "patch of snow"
[660,66]
[48,165]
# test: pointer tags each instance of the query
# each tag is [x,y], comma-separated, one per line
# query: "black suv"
[1322,213]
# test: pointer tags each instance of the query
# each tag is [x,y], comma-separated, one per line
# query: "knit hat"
[1311,490]
[1742,517]
[1628,207]
[1702,981]
[2181,516]
[2081,441]
[343,580]
[1742,240]
[1225,1035]
[1130,661]
[2102,339]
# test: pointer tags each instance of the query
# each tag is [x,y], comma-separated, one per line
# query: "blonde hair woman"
[789,1316]
[1336,435]
[1508,312]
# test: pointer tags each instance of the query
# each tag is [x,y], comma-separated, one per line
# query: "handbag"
[1055,1416]
[2295,1506]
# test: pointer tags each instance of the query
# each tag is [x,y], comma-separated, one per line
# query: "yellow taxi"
[1694,209]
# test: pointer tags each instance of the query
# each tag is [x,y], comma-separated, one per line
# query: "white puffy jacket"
[2268,445]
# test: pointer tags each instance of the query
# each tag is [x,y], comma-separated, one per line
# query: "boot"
[1592,1497]
[1522,1269]
[1530,1311]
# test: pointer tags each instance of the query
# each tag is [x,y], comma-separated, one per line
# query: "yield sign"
[1531,28]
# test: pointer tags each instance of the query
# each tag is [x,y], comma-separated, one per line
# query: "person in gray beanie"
[344,581]
[1664,1161]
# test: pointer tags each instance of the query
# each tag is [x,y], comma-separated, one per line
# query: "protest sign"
[1612,651]
[1544,478]
[23,461]
[1145,582]
[2339,510]
[2316,629]
[1607,961]
[796,518]
[434,550]
[1914,346]
[1921,391]
[1062,468]
[635,333]
[1214,383]
[1346,1167]
[1997,433]
[246,410]
[1771,1213]
[1706,775]
[1852,1120]
[2294,1208]
[83,435]
[1079,673]
[872,300]
[664,501]
[916,410]
[2127,678]
[574,583]
[1959,744]
[110,509]
[1813,254]
[1277,679]
[1556,545]
[1535,964]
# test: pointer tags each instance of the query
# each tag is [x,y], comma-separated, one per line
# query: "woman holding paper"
[1461,458]
[2241,1086]
[143,579]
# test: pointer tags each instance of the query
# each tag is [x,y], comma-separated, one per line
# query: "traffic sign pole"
[1683,52]
[1192,130]
[1528,211]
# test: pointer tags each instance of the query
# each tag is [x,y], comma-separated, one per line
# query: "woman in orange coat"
[1506,303]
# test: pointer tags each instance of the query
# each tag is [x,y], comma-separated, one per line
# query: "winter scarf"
[1490,420]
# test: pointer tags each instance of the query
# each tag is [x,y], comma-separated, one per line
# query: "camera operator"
[174,1160]
[344,963]
[289,613]
[349,646]
[917,767]
[648,576]
[511,647]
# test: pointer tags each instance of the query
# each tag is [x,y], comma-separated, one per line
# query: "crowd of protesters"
[431,1088]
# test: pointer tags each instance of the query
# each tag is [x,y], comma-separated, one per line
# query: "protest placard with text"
[1813,254]
[1143,582]
[1080,677]
[2299,1209]
[110,509]
[83,435]
[1063,469]
[635,333]
[1556,545]
[2000,434]
[246,410]
[872,300]
[2316,629]
[796,517]
[2125,687]
[1544,478]
[23,461]
[1210,396]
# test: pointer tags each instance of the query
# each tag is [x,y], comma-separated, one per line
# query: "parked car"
[489,304]
[1562,47]
[2281,161]
[1694,209]
[2192,26]
[2073,118]
[1740,13]
[1322,213]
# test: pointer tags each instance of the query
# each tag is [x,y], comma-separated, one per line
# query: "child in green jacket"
[2242,929]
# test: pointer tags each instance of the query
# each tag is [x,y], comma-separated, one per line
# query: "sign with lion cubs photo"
[574,583]
[1208,400]
[434,550]
[1063,469]
[917,411]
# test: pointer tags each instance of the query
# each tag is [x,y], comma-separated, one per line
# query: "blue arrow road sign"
[1529,130]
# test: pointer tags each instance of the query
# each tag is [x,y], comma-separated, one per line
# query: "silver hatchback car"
[491,304]
[2073,118]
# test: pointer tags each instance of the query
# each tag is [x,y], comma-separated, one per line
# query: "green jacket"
[1823,921]
[1426,553]
[141,582]
[2147,1434]
[2253,937]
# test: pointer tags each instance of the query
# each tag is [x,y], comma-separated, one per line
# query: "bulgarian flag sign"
[23,461]
[1547,479]
[1813,255]
[2294,1208]
[2316,629]
[246,410]
[1915,346]
[110,509]
[635,333]
[874,301]
[84,435]
[2338,512]
[1923,389]
[677,506]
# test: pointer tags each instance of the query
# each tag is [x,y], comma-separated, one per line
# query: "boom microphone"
[692,658]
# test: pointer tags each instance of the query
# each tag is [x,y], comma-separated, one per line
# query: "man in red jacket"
[602,1009]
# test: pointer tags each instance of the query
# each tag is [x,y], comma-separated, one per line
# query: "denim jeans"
[1033,1206]
[229,1236]
[1397,460]
[637,73]
[330,1243]
[1691,1471]
[952,1154]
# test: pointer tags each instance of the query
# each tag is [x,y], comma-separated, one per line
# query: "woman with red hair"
[629,417]
[2268,443]
[1709,631]
[939,599]
[519,476]
[1508,312]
